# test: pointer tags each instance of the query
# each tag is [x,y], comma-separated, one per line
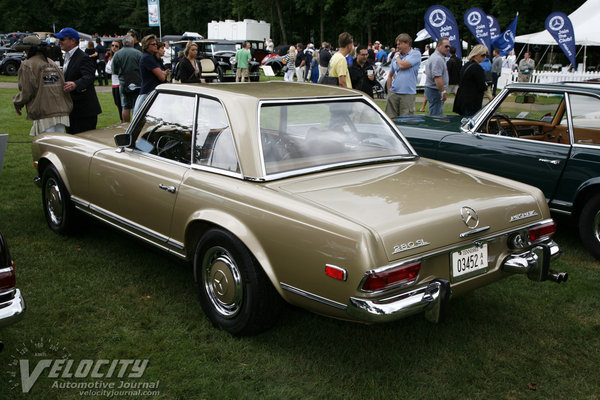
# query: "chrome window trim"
[311,100]
[572,127]
[233,136]
[313,296]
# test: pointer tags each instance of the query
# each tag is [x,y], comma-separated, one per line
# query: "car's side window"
[585,113]
[213,144]
[166,129]
[533,106]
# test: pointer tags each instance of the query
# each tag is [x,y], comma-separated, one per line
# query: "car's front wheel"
[589,225]
[234,291]
[58,209]
[11,68]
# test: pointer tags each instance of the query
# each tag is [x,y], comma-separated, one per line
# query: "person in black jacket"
[362,71]
[454,64]
[472,84]
[190,69]
[79,71]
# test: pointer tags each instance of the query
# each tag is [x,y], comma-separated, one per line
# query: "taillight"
[7,277]
[402,275]
[542,232]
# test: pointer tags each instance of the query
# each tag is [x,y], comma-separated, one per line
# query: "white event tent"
[585,24]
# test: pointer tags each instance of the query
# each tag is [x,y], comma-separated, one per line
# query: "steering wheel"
[279,147]
[172,148]
[496,118]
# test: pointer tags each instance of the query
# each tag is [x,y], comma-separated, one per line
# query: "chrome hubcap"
[54,202]
[222,281]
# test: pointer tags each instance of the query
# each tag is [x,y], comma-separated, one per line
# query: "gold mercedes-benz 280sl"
[296,192]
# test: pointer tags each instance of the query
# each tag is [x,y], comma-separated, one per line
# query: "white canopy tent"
[585,24]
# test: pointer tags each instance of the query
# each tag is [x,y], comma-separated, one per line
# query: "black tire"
[235,293]
[11,68]
[589,225]
[56,200]
[219,74]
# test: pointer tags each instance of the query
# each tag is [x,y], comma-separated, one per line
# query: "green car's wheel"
[234,291]
[589,225]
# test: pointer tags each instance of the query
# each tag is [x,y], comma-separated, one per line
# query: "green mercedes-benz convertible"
[546,135]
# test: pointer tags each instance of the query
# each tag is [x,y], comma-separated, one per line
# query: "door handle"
[546,160]
[170,189]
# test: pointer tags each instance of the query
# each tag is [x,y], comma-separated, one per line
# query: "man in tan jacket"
[41,90]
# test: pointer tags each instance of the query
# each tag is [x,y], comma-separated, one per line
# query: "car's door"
[583,166]
[525,143]
[137,187]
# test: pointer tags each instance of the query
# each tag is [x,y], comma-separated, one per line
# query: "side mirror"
[123,140]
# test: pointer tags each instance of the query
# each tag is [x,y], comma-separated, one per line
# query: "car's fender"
[49,158]
[584,192]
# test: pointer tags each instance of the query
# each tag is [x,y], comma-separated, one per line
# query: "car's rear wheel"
[589,225]
[58,209]
[234,291]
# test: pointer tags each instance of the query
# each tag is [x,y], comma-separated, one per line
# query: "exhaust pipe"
[557,277]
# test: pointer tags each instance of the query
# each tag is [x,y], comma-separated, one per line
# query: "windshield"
[222,47]
[307,135]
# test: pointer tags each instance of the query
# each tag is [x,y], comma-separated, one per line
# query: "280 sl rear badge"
[399,248]
[524,215]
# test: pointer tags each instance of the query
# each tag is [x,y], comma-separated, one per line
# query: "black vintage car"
[222,53]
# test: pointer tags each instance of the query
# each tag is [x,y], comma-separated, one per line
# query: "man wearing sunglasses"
[79,71]
[436,78]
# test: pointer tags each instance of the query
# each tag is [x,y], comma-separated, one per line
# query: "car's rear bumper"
[433,298]
[12,307]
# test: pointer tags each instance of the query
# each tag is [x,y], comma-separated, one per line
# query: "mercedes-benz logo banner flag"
[560,27]
[494,27]
[506,41]
[439,22]
[477,22]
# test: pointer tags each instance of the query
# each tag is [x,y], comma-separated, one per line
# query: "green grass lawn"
[101,295]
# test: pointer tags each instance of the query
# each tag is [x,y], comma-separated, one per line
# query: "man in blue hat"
[79,70]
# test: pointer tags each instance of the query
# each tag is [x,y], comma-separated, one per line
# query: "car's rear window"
[303,135]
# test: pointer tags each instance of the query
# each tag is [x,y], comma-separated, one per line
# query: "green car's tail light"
[402,275]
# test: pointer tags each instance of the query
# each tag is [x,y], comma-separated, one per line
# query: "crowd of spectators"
[136,67]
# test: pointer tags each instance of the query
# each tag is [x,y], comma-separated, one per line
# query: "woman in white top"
[114,78]
[290,61]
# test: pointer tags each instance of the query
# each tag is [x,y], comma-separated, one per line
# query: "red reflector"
[7,279]
[383,280]
[542,231]
[335,272]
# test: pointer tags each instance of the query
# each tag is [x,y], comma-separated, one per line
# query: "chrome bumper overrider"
[432,298]
[12,309]
[536,263]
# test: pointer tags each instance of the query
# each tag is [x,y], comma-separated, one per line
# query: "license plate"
[469,261]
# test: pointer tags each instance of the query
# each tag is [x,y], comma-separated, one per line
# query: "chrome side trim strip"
[312,296]
[130,228]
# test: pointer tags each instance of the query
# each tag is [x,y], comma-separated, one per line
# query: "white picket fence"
[509,76]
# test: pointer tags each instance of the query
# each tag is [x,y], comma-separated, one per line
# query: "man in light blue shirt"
[402,78]
[436,78]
